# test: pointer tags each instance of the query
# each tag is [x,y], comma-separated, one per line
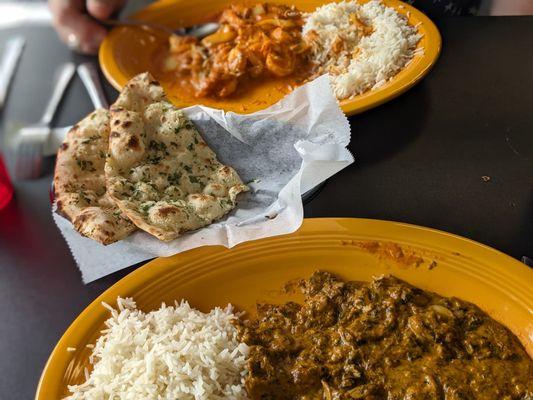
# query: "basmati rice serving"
[361,46]
[175,352]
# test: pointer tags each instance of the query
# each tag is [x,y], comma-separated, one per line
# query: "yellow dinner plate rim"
[399,84]
[311,228]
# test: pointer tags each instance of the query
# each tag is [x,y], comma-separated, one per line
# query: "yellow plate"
[128,51]
[356,249]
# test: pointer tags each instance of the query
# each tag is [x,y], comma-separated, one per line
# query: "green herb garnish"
[157,146]
[85,165]
[174,179]
[154,159]
[144,208]
[90,139]
[84,197]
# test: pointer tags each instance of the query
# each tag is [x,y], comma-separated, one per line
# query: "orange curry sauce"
[254,43]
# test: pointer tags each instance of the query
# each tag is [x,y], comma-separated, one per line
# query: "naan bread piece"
[79,182]
[160,172]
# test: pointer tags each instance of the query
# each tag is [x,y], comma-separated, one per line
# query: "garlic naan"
[160,171]
[79,182]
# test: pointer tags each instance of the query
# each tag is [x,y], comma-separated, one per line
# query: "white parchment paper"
[280,152]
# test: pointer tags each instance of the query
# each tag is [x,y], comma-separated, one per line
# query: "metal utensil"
[89,76]
[528,261]
[56,137]
[30,141]
[91,81]
[198,31]
[10,59]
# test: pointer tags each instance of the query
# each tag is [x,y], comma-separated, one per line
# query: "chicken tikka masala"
[251,42]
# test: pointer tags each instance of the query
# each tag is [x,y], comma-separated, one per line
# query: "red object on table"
[6,188]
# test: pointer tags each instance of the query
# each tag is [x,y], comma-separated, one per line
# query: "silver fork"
[199,31]
[89,76]
[30,140]
[90,79]
[10,59]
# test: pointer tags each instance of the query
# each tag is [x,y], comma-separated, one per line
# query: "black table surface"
[419,159]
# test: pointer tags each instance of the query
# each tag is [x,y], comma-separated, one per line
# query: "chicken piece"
[236,62]
[230,17]
[280,35]
[280,64]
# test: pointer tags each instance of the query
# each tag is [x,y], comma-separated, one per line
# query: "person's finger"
[80,32]
[103,9]
[75,27]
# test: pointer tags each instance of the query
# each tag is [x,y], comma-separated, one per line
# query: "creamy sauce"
[381,340]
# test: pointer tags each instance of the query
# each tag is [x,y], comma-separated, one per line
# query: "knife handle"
[10,58]
[62,78]
[89,76]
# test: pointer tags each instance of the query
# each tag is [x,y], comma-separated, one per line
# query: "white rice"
[175,352]
[367,62]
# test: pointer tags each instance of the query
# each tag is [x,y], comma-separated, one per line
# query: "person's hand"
[74,21]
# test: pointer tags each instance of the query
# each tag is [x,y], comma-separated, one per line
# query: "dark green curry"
[381,340]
